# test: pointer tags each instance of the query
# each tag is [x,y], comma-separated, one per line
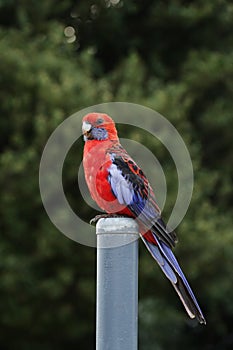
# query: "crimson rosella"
[119,186]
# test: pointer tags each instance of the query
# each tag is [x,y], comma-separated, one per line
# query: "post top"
[119,225]
[116,232]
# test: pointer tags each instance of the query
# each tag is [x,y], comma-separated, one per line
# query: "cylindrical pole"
[117,284]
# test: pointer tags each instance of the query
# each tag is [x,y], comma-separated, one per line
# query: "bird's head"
[98,126]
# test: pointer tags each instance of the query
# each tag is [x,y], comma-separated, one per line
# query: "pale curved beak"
[86,127]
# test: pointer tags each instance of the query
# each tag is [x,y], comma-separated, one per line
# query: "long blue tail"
[169,265]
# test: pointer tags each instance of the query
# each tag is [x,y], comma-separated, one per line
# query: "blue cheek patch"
[99,134]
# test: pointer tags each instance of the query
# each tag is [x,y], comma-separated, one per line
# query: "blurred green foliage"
[174,56]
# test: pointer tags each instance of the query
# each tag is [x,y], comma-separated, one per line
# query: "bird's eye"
[99,121]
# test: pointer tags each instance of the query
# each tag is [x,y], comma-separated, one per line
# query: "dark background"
[174,56]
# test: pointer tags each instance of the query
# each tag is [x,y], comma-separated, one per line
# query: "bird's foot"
[105,216]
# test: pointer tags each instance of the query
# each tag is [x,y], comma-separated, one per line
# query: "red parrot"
[118,185]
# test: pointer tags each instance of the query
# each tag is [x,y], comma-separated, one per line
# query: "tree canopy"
[174,56]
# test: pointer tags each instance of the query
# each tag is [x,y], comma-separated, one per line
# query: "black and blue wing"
[131,187]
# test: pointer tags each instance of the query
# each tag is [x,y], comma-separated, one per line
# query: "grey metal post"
[117,284]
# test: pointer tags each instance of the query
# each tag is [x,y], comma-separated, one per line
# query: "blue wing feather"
[131,188]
